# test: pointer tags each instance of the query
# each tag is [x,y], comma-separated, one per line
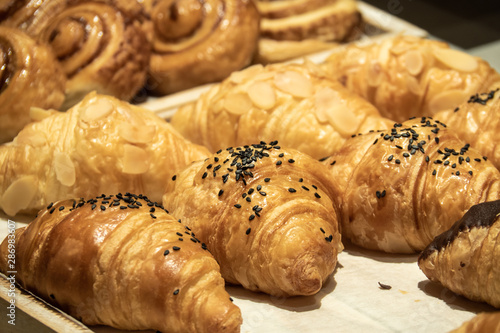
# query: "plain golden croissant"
[400,188]
[100,145]
[102,45]
[477,121]
[466,258]
[122,261]
[295,104]
[481,323]
[408,76]
[199,42]
[29,76]
[266,214]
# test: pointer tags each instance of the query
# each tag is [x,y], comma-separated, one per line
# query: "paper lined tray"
[379,25]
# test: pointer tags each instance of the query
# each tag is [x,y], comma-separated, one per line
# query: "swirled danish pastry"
[30,76]
[200,41]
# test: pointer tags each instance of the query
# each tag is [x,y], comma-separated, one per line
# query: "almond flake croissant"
[466,258]
[481,323]
[477,121]
[295,104]
[265,213]
[122,261]
[400,188]
[98,146]
[408,76]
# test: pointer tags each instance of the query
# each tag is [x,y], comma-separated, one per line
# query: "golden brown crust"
[407,76]
[30,76]
[483,322]
[119,261]
[293,103]
[465,258]
[200,42]
[100,145]
[477,121]
[266,214]
[400,188]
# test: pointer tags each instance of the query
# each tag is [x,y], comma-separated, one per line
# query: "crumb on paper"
[384,286]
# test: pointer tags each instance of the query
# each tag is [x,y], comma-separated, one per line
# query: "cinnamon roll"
[200,41]
[30,76]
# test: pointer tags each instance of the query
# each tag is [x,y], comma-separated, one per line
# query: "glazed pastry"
[122,261]
[198,42]
[465,258]
[477,121]
[102,45]
[304,25]
[400,188]
[266,214]
[293,103]
[483,322]
[98,146]
[29,76]
[408,76]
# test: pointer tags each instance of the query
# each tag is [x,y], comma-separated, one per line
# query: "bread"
[400,188]
[477,121]
[465,258]
[100,145]
[483,322]
[30,77]
[408,76]
[118,260]
[293,103]
[103,45]
[199,42]
[267,215]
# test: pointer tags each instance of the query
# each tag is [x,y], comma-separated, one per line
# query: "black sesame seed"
[221,192]
[398,161]
[434,172]
[93,206]
[292,190]
[317,195]
[204,175]
[263,193]
[251,217]
[166,252]
[174,177]
[237,206]
[259,187]
[267,179]
[123,207]
[322,230]
[278,163]
[153,216]
[390,158]
[248,231]
[176,291]
[291,160]
[305,188]
[50,205]
[176,248]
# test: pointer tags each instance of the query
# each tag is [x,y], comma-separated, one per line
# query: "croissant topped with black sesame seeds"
[123,261]
[266,214]
[100,145]
[400,188]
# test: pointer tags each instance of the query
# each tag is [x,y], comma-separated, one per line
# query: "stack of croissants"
[139,223]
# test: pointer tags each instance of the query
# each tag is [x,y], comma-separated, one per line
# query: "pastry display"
[408,76]
[118,260]
[483,322]
[295,104]
[30,76]
[293,28]
[266,213]
[477,121]
[465,258]
[102,45]
[400,188]
[100,145]
[199,42]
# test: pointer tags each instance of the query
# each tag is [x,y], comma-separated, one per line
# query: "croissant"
[408,76]
[400,188]
[483,322]
[30,76]
[103,45]
[265,213]
[293,103]
[122,261]
[477,121]
[99,145]
[465,258]
[199,42]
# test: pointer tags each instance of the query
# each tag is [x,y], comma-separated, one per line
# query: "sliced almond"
[38,114]
[383,52]
[237,103]
[97,109]
[374,75]
[31,137]
[446,100]
[19,195]
[136,134]
[324,100]
[241,76]
[413,61]
[457,60]
[413,85]
[64,168]
[294,83]
[331,108]
[135,160]
[262,95]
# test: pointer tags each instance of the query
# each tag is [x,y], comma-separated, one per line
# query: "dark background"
[466,24]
